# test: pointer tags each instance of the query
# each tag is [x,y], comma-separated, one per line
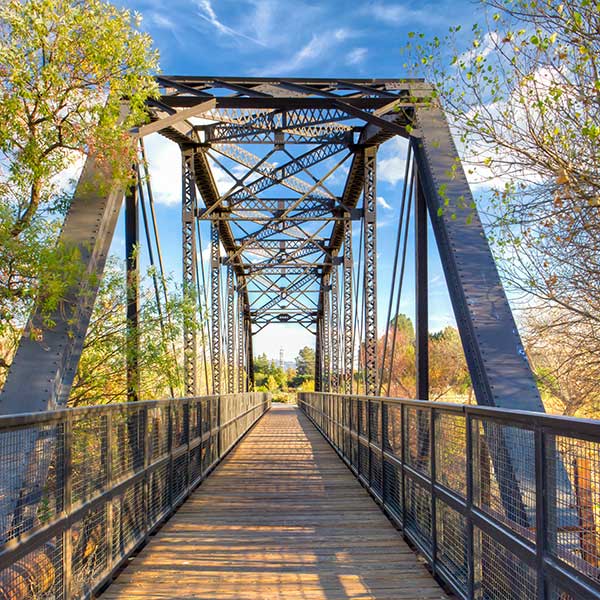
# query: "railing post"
[382,426]
[432,464]
[170,450]
[219,421]
[67,540]
[469,507]
[146,479]
[109,478]
[540,510]
[403,457]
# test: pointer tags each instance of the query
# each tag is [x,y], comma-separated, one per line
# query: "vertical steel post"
[215,297]
[188,238]
[326,335]
[230,331]
[421,298]
[348,306]
[250,355]
[132,239]
[318,354]
[370,266]
[335,331]
[241,342]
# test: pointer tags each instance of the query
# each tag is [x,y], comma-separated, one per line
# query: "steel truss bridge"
[501,500]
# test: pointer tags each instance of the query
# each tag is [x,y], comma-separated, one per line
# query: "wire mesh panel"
[128,521]
[392,439]
[375,459]
[89,449]
[499,573]
[417,514]
[574,509]
[417,426]
[450,455]
[375,422]
[128,434]
[32,477]
[452,544]
[504,484]
[38,575]
[90,551]
[98,480]
[393,486]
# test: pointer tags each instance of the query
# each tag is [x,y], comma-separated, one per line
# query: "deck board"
[280,518]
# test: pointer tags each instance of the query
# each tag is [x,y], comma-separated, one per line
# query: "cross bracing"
[300,160]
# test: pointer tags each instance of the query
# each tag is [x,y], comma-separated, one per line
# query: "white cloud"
[391,169]
[310,53]
[382,202]
[357,56]
[164,159]
[207,12]
[402,14]
[391,161]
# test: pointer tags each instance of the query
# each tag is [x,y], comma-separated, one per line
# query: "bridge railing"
[492,524]
[82,489]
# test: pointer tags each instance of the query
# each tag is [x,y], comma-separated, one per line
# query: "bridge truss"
[301,158]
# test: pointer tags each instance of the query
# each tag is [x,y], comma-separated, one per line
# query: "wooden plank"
[281,518]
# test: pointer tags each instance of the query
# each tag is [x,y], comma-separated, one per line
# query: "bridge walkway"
[280,518]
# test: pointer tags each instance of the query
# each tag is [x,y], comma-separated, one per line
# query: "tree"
[523,96]
[74,76]
[101,372]
[401,362]
[448,371]
[305,362]
[566,372]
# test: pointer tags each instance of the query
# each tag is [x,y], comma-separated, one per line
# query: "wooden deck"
[281,518]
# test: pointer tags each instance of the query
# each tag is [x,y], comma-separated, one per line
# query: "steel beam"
[421,295]
[335,331]
[230,332]
[132,248]
[215,298]
[44,366]
[370,269]
[347,334]
[188,240]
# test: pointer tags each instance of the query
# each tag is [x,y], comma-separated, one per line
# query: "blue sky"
[295,38]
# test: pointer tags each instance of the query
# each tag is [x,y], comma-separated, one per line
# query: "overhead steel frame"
[323,119]
[188,231]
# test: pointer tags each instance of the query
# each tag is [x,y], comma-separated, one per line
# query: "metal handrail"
[83,488]
[489,526]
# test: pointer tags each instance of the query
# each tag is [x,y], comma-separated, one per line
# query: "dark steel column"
[348,306]
[188,240]
[421,296]
[132,241]
[230,332]
[250,357]
[318,348]
[215,298]
[326,335]
[370,275]
[241,342]
[335,331]
[45,364]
